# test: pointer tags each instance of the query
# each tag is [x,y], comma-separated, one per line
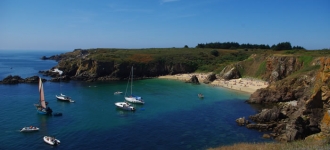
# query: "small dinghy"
[118,92]
[51,140]
[200,95]
[29,129]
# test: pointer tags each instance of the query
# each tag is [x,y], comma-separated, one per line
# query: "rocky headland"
[299,94]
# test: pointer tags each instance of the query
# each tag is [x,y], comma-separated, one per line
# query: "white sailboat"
[42,107]
[132,98]
[62,97]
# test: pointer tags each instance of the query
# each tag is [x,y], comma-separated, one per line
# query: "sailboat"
[132,98]
[62,97]
[42,107]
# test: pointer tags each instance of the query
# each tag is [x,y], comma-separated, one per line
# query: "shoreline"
[247,85]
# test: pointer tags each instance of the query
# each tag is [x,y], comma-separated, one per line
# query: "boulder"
[12,80]
[17,79]
[233,73]
[193,80]
[267,115]
[242,121]
[210,78]
[261,126]
[33,79]
[266,136]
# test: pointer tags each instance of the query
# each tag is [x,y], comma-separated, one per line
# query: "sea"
[173,116]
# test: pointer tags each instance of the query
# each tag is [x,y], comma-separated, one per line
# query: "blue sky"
[70,24]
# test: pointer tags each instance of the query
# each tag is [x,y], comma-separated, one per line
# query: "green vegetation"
[306,59]
[203,60]
[304,144]
[262,69]
[235,45]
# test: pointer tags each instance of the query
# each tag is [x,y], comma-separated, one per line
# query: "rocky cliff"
[79,66]
[298,91]
[270,68]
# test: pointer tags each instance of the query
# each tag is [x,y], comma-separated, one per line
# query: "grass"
[306,59]
[198,59]
[296,145]
[201,59]
[262,69]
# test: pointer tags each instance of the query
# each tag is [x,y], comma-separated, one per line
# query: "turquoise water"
[173,117]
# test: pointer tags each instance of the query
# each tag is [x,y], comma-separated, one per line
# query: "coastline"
[248,85]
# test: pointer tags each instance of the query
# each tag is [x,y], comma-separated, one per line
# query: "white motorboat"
[51,140]
[118,92]
[125,106]
[63,97]
[132,98]
[200,95]
[29,129]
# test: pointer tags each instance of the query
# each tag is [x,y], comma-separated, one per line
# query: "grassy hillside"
[297,145]
[204,60]
[200,59]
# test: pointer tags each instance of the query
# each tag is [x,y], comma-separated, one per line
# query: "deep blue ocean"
[173,117]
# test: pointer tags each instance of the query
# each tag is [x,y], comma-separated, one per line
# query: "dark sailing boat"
[42,107]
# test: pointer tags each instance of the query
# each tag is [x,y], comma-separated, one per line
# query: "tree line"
[235,45]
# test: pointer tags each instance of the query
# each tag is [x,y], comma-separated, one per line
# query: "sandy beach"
[249,85]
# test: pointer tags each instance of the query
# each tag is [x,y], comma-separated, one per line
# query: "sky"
[72,24]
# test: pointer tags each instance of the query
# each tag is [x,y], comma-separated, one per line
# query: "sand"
[249,85]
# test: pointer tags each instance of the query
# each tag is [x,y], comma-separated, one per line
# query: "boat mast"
[60,84]
[132,82]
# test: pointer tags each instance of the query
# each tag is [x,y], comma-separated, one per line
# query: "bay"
[173,116]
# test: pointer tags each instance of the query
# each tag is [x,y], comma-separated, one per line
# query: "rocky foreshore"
[300,106]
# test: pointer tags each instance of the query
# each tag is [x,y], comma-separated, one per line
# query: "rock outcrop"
[17,79]
[82,65]
[230,72]
[242,121]
[301,100]
[210,78]
[193,80]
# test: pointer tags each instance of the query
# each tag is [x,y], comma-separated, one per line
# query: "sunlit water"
[173,116]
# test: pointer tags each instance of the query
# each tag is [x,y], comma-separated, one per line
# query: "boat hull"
[28,129]
[51,141]
[124,106]
[117,93]
[64,99]
[134,100]
[43,111]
